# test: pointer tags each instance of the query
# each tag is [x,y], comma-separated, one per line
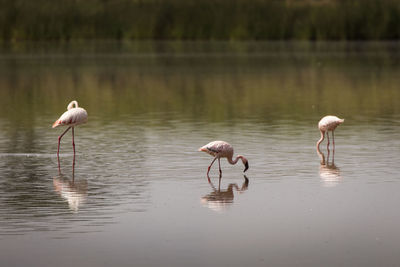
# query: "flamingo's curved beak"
[246,166]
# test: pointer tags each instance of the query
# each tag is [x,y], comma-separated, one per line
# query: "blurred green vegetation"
[266,82]
[65,20]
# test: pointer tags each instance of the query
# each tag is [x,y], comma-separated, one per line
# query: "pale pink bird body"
[72,117]
[326,124]
[222,149]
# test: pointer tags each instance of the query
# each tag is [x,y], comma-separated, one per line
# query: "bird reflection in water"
[328,171]
[74,192]
[218,199]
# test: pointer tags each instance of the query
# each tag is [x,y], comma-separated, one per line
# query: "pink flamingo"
[72,117]
[221,149]
[328,123]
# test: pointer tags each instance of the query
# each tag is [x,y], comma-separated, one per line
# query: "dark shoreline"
[65,21]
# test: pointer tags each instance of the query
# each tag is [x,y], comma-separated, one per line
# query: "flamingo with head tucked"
[72,117]
[326,124]
[221,149]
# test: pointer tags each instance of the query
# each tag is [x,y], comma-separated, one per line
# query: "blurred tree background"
[66,20]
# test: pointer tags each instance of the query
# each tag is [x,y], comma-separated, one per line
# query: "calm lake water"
[139,195]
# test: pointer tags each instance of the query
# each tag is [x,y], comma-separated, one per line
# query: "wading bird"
[72,117]
[326,124]
[221,149]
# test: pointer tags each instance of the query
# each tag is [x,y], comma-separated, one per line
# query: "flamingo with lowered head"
[326,124]
[221,149]
[72,117]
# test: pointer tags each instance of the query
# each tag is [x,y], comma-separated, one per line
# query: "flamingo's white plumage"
[72,117]
[222,149]
[326,124]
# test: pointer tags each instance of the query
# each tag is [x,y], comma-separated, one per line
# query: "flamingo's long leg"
[327,135]
[333,140]
[327,159]
[73,171]
[209,167]
[219,165]
[59,140]
[73,145]
[58,149]
[73,142]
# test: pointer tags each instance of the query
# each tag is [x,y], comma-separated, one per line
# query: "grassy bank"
[66,20]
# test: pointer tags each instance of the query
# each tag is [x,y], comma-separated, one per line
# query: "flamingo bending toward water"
[328,123]
[72,117]
[222,149]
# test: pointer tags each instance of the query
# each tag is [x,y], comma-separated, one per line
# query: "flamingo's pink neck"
[244,160]
[71,105]
[233,162]
[321,155]
[321,139]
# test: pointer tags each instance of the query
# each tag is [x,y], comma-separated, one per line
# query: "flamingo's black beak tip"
[246,166]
